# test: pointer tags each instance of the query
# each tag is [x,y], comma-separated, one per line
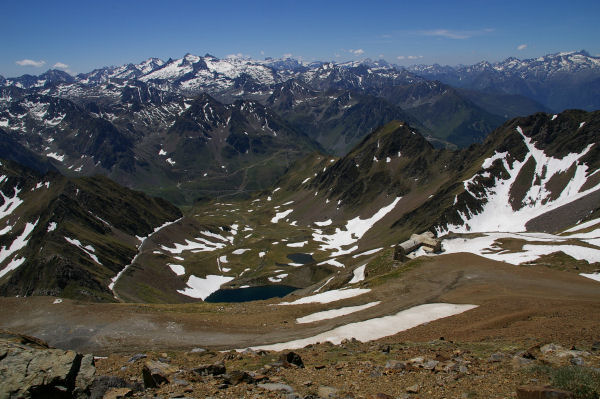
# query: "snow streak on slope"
[10,203]
[114,280]
[19,243]
[355,229]
[488,246]
[88,249]
[498,213]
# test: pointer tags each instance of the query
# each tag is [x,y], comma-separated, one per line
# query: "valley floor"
[514,302]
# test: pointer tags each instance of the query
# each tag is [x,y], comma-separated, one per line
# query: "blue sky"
[79,36]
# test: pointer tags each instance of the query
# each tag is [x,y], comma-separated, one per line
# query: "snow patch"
[88,249]
[177,269]
[240,251]
[355,229]
[329,296]
[198,287]
[359,275]
[377,328]
[370,252]
[325,223]
[297,244]
[280,215]
[333,313]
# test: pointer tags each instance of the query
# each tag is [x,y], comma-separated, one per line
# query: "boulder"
[291,358]
[272,386]
[29,368]
[157,373]
[237,377]
[542,392]
[104,384]
[137,357]
[210,369]
[327,392]
[395,365]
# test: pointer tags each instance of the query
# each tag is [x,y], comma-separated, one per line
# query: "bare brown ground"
[516,304]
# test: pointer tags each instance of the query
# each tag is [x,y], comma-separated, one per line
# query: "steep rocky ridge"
[69,237]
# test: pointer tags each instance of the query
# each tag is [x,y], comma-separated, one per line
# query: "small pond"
[250,293]
[301,258]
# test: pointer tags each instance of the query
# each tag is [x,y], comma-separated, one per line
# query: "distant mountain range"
[559,81]
[200,127]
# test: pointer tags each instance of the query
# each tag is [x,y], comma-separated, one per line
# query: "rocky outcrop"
[30,369]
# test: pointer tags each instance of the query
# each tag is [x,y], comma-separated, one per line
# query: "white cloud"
[287,55]
[521,47]
[454,34]
[357,51]
[238,55]
[27,62]
[262,52]
[60,65]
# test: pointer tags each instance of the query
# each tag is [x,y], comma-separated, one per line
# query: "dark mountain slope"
[70,237]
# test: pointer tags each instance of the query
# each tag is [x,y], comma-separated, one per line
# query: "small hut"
[425,242]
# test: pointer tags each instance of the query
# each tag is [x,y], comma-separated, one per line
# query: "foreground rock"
[29,368]
[156,373]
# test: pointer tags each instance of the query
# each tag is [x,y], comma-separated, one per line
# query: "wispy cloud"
[521,47]
[357,51]
[409,57]
[453,34]
[237,55]
[60,65]
[287,55]
[27,62]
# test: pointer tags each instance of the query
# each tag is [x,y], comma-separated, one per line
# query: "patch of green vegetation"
[564,262]
[385,269]
[583,382]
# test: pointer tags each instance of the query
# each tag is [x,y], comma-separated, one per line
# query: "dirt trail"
[514,303]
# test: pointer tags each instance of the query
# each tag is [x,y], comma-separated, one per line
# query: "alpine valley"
[452,213]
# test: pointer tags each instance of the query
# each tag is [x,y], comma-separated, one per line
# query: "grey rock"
[430,364]
[210,369]
[327,392]
[291,358]
[198,350]
[520,361]
[137,357]
[31,370]
[413,388]
[395,365]
[156,373]
[272,386]
[496,357]
[102,384]
[237,377]
[577,361]
[85,377]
